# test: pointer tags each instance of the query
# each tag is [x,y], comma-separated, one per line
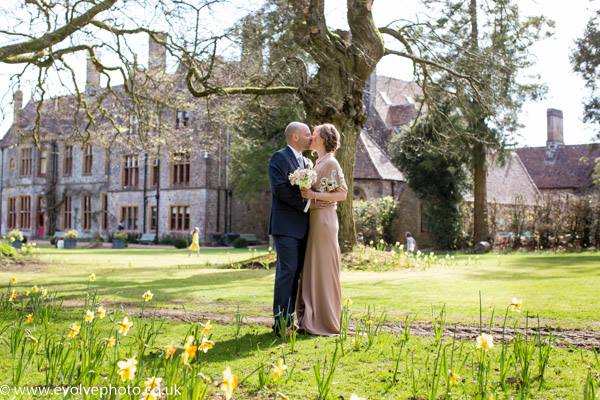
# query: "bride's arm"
[339,195]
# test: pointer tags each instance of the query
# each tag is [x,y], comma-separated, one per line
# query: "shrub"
[180,243]
[15,234]
[240,243]
[72,234]
[167,240]
[121,235]
[373,218]
[7,250]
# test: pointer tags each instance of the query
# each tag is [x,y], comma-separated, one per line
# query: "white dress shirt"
[299,156]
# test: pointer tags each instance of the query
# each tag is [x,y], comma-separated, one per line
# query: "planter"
[70,243]
[118,244]
[17,244]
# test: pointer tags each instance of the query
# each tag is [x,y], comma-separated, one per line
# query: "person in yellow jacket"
[195,246]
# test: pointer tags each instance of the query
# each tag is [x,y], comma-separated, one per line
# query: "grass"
[560,288]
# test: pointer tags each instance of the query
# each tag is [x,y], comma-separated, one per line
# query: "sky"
[566,90]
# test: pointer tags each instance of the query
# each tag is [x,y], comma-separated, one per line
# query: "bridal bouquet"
[304,178]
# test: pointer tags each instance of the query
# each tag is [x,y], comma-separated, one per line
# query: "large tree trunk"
[480,216]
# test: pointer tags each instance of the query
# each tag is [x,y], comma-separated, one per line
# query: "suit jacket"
[287,205]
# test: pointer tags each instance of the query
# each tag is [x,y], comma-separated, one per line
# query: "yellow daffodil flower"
[29,319]
[279,369]
[515,305]
[147,296]
[92,277]
[110,342]
[151,395]
[206,345]
[206,327]
[230,382]
[101,312]
[170,352]
[127,369]
[12,297]
[485,342]
[453,377]
[124,326]
[153,383]
[13,280]
[89,316]
[189,351]
[73,330]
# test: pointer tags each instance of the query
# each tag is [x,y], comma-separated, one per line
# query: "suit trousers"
[290,259]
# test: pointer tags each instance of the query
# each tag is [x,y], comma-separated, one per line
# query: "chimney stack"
[17,106]
[92,82]
[157,53]
[554,119]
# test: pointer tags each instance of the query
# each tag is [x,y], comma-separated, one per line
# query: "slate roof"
[571,168]
[372,163]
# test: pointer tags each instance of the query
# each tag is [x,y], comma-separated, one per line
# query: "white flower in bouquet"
[304,178]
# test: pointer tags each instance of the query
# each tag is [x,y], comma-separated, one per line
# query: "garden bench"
[59,235]
[147,238]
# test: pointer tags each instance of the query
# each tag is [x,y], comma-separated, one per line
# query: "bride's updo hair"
[330,135]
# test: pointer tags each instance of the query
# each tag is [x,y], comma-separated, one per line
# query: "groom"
[288,223]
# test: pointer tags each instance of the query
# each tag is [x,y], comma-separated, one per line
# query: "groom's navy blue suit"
[288,224]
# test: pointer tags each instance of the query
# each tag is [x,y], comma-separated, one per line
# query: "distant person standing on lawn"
[195,246]
[411,243]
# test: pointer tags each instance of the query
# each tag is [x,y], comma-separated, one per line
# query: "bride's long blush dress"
[319,294]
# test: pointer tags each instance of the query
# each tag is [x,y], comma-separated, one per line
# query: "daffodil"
[89,316]
[29,319]
[147,296]
[13,280]
[92,277]
[189,351]
[153,383]
[127,369]
[453,377]
[370,322]
[279,369]
[206,327]
[110,342]
[34,289]
[206,345]
[515,304]
[124,326]
[170,352]
[100,312]
[43,291]
[485,342]
[230,382]
[73,330]
[151,395]
[13,296]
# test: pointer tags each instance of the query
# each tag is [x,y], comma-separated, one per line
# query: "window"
[182,119]
[68,161]
[26,161]
[25,212]
[180,218]
[130,171]
[12,213]
[133,124]
[66,215]
[42,162]
[107,162]
[181,169]
[129,217]
[87,159]
[153,216]
[104,211]
[154,173]
[39,206]
[12,164]
[86,206]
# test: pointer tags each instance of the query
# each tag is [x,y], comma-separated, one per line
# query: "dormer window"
[182,120]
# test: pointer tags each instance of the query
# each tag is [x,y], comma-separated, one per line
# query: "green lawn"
[560,288]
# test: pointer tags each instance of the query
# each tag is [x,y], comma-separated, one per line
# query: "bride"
[319,294]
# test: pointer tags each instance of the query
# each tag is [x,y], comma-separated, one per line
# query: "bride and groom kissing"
[304,227]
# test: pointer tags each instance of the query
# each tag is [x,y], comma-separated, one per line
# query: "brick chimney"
[157,53]
[554,120]
[17,106]
[92,80]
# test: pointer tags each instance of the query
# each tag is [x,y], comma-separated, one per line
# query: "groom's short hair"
[292,128]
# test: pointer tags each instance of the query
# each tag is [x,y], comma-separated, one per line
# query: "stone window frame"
[154,172]
[86,212]
[67,212]
[153,217]
[183,119]
[26,161]
[42,168]
[104,208]
[131,171]
[181,169]
[87,152]
[11,216]
[39,211]
[178,223]
[25,212]
[68,160]
[129,214]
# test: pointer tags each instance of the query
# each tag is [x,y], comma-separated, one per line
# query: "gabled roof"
[570,169]
[395,100]
[372,163]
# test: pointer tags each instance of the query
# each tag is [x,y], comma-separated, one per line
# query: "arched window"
[359,193]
